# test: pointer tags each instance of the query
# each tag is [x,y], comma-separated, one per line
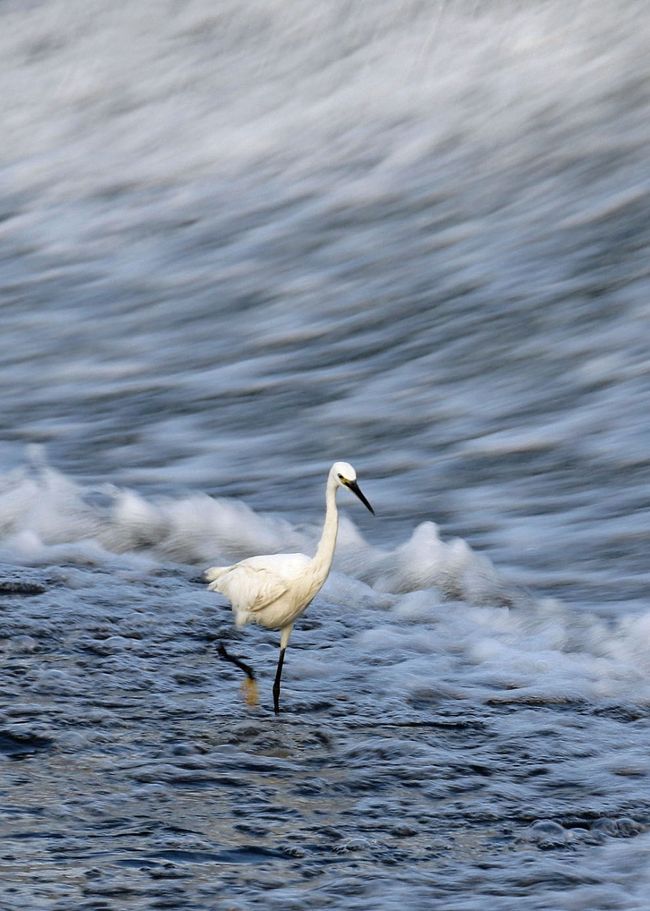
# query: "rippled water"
[239,242]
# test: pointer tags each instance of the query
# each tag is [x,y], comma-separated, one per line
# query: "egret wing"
[250,588]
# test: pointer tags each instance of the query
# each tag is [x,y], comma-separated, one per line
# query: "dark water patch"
[53,836]
[624,713]
[245,854]
[189,679]
[167,871]
[537,700]
[119,889]
[20,745]
[26,581]
[307,708]
[21,587]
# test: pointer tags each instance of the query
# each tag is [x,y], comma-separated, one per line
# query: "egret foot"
[249,686]
[249,689]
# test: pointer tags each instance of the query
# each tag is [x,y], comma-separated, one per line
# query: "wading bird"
[275,589]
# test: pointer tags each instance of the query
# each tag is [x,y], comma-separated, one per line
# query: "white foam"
[620,878]
[425,561]
[436,615]
[51,511]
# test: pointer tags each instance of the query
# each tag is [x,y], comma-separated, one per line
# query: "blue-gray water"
[238,242]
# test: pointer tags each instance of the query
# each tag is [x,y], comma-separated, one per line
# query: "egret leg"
[250,685]
[276,683]
[284,641]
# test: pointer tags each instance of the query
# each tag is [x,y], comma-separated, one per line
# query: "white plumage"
[266,590]
[275,589]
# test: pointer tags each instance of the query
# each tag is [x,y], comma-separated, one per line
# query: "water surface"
[238,243]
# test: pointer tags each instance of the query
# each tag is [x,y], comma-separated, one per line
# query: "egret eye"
[340,476]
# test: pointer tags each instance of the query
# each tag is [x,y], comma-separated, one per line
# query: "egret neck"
[322,559]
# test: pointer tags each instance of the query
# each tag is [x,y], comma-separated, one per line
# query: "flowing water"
[238,242]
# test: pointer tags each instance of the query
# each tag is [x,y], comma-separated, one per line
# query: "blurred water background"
[238,242]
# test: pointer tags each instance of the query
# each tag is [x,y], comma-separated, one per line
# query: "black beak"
[354,487]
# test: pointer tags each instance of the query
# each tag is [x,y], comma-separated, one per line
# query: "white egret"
[275,589]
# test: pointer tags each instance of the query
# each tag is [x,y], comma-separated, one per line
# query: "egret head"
[346,476]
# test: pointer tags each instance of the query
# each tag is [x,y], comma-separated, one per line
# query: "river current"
[239,242]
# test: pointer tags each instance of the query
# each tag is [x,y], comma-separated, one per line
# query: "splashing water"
[238,243]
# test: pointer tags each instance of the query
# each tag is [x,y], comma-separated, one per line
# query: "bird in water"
[275,589]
